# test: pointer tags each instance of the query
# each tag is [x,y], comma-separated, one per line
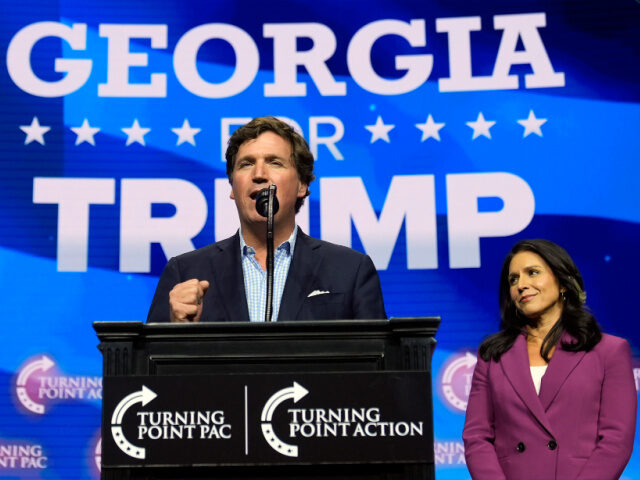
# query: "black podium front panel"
[304,400]
[267,419]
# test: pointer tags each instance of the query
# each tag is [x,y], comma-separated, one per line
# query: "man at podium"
[227,280]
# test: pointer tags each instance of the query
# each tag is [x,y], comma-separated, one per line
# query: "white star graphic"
[430,129]
[481,127]
[532,124]
[34,132]
[85,133]
[380,131]
[186,133]
[136,133]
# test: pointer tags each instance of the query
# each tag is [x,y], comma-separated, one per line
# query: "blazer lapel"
[302,272]
[515,364]
[227,269]
[560,367]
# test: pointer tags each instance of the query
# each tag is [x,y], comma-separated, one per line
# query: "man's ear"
[303,188]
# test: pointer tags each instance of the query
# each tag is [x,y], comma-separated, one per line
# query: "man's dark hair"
[575,319]
[301,156]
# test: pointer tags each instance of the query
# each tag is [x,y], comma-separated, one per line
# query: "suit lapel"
[515,364]
[560,367]
[302,272]
[227,269]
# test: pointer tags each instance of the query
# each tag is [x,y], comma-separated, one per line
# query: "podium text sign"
[335,399]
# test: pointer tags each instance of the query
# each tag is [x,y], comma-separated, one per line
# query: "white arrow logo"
[467,361]
[44,363]
[144,396]
[98,454]
[296,392]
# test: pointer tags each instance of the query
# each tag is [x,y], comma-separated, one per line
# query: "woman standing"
[551,397]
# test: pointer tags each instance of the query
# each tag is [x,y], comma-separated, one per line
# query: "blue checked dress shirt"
[255,279]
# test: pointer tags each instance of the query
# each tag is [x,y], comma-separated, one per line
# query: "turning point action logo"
[38,384]
[296,392]
[329,422]
[456,379]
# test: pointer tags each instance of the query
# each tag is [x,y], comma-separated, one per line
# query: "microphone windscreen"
[262,203]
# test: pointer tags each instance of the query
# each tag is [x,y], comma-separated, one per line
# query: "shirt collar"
[287,246]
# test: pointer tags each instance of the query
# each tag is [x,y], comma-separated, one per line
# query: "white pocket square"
[317,292]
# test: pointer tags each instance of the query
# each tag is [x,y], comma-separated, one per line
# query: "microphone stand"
[267,205]
[269,306]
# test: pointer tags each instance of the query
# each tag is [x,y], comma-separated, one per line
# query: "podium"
[285,400]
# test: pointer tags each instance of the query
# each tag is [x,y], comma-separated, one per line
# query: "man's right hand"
[185,300]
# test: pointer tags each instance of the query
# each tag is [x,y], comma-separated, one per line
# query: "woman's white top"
[536,374]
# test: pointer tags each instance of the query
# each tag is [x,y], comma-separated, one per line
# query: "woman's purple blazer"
[581,426]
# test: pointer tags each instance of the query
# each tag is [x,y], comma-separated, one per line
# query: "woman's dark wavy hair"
[575,319]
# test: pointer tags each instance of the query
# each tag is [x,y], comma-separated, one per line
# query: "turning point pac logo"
[164,424]
[95,456]
[143,396]
[38,384]
[17,455]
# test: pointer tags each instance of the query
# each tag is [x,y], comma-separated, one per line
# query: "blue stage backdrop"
[443,132]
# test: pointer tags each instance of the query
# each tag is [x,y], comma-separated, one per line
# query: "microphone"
[267,205]
[262,202]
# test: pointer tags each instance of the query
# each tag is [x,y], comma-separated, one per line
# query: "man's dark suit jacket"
[317,266]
